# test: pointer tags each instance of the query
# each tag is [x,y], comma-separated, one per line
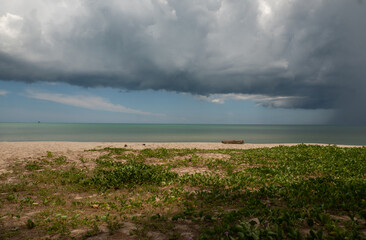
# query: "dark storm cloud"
[312,53]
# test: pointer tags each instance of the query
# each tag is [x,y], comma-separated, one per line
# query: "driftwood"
[233,142]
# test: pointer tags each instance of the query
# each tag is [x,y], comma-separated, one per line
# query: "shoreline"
[23,150]
[70,145]
[27,150]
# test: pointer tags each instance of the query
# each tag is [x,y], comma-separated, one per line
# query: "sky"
[192,61]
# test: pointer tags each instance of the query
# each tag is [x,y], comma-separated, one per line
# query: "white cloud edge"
[259,99]
[3,92]
[84,101]
[10,25]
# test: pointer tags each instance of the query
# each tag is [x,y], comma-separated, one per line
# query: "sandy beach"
[10,151]
[55,189]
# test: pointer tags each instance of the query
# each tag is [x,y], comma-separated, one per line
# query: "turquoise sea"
[109,132]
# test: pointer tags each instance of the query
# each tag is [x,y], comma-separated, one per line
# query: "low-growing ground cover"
[300,192]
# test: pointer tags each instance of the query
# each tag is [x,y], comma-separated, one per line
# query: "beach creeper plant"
[112,174]
[299,192]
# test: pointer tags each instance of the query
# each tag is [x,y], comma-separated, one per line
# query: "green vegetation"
[112,174]
[300,192]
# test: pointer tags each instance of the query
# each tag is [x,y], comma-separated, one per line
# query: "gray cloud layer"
[312,51]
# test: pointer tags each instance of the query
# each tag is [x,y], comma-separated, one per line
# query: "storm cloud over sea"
[281,54]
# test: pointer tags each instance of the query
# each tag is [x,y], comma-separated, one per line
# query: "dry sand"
[10,151]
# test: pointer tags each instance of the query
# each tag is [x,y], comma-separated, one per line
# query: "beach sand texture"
[45,185]
[10,151]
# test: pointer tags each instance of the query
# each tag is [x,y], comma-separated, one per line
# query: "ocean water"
[100,132]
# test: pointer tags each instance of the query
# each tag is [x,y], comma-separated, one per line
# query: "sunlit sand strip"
[10,151]
[29,149]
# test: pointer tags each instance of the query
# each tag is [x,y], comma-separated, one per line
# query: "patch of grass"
[32,166]
[161,153]
[300,192]
[49,154]
[30,224]
[113,174]
[60,160]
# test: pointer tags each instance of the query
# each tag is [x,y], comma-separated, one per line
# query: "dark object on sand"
[233,142]
[125,145]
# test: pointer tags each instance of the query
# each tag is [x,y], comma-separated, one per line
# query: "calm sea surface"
[100,132]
